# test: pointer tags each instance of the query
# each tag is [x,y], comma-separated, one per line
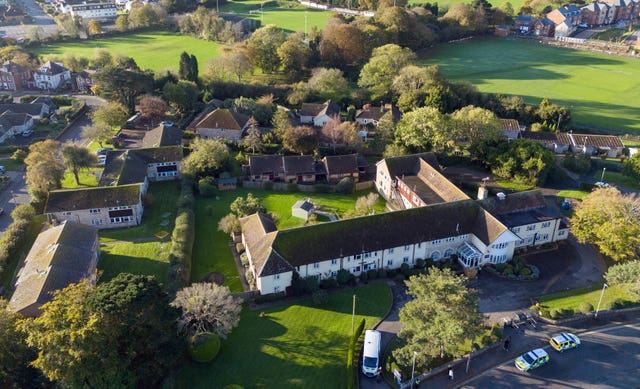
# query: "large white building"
[51,75]
[88,10]
[438,221]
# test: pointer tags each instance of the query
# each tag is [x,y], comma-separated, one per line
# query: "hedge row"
[179,273]
[14,236]
[351,354]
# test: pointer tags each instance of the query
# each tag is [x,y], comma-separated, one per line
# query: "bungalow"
[372,115]
[385,240]
[562,142]
[222,123]
[338,167]
[139,166]
[51,75]
[103,207]
[549,139]
[166,134]
[291,168]
[37,110]
[510,128]
[12,124]
[60,256]
[524,24]
[319,114]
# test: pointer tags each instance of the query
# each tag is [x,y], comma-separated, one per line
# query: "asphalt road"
[15,193]
[607,358]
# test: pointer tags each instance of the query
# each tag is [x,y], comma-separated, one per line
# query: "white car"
[601,184]
[27,133]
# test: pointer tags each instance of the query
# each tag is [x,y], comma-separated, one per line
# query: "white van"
[371,353]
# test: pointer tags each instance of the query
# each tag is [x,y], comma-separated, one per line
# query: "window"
[499,245]
[451,239]
[276,276]
[531,227]
[516,229]
[405,259]
[122,219]
[435,242]
[367,255]
[334,273]
[546,224]
[419,244]
[316,265]
[561,233]
[407,248]
[390,262]
[94,211]
[334,261]
[448,253]
[390,251]
[358,256]
[298,268]
[97,222]
[276,289]
[66,213]
[435,255]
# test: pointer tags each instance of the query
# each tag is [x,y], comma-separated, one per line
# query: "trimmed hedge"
[351,352]
[204,347]
[14,236]
[179,273]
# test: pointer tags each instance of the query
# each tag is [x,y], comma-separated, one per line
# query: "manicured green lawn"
[88,177]
[600,90]
[448,3]
[159,214]
[619,179]
[9,268]
[572,299]
[572,194]
[146,258]
[288,16]
[298,345]
[211,251]
[514,185]
[158,50]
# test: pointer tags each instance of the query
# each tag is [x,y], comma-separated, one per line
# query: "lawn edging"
[583,317]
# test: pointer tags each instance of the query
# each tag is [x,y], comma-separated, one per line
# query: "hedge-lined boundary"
[179,272]
[14,236]
[351,353]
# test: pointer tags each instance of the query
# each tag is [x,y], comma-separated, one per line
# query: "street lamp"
[413,368]
[599,301]
[603,170]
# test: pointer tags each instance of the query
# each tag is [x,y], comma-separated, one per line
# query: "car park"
[532,359]
[564,341]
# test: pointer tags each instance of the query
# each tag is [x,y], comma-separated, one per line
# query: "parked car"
[27,133]
[103,151]
[371,353]
[167,123]
[119,136]
[2,170]
[564,341]
[102,159]
[532,359]
[601,184]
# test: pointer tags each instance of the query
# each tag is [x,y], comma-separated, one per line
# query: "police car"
[564,341]
[532,359]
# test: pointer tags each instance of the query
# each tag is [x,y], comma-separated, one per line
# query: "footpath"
[523,339]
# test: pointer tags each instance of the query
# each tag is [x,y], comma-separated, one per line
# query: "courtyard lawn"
[600,90]
[293,345]
[88,177]
[619,179]
[145,258]
[572,194]
[571,299]
[211,251]
[289,16]
[157,50]
[159,214]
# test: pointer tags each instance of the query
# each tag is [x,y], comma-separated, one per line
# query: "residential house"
[280,168]
[319,114]
[549,139]
[528,216]
[103,207]
[35,110]
[222,123]
[385,240]
[49,107]
[51,75]
[524,24]
[62,255]
[371,115]
[510,128]
[338,167]
[566,19]
[7,81]
[389,170]
[596,14]
[12,124]
[84,80]
[139,166]
[544,27]
[165,134]
[621,10]
[562,142]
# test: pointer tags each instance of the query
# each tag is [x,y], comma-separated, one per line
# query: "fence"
[291,187]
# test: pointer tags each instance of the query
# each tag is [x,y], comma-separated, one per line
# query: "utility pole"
[353,315]
[605,286]
[603,170]
[305,27]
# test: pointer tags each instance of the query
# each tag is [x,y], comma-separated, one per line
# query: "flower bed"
[515,269]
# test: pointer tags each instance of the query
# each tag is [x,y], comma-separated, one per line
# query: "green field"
[448,3]
[600,90]
[289,16]
[211,251]
[157,50]
[298,345]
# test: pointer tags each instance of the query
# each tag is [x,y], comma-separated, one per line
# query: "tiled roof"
[224,119]
[51,68]
[34,109]
[525,19]
[46,100]
[10,119]
[341,164]
[600,141]
[298,164]
[409,164]
[439,184]
[329,108]
[261,164]
[60,256]
[509,125]
[124,167]
[260,231]
[90,198]
[163,135]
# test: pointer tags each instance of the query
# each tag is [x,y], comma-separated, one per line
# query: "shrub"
[292,187]
[204,347]
[485,340]
[420,263]
[345,186]
[343,277]
[496,332]
[544,312]
[554,314]
[239,248]
[623,273]
[311,284]
[566,312]
[586,186]
[207,187]
[525,271]
[250,279]
[508,270]
[609,305]
[320,297]
[500,267]
[244,259]
[364,277]
[372,274]
[322,188]
[328,283]
[404,268]
[585,307]
[19,155]
[382,273]
[621,303]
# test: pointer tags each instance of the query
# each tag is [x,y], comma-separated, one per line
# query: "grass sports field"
[288,16]
[601,90]
[157,50]
[446,4]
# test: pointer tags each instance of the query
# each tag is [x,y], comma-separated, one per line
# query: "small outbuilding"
[302,209]
[227,183]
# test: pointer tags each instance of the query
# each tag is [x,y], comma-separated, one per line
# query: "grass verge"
[293,345]
[572,299]
[572,194]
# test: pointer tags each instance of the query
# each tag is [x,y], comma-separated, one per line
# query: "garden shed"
[227,183]
[302,209]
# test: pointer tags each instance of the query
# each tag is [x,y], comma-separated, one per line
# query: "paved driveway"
[15,193]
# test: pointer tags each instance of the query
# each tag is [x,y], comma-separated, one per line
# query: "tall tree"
[98,132]
[329,84]
[280,122]
[207,156]
[383,66]
[262,47]
[233,61]
[76,157]
[294,55]
[153,107]
[301,139]
[474,124]
[332,130]
[44,170]
[423,128]
[611,221]
[123,84]
[245,206]
[443,313]
[188,69]
[94,27]
[207,307]
[182,95]
[102,58]
[112,114]
[253,139]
